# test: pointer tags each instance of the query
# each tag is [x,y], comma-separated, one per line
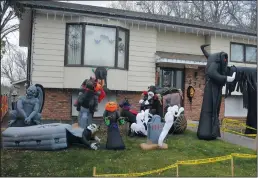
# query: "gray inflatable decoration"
[40,96]
[155,127]
[39,137]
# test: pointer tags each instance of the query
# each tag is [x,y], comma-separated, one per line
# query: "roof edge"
[49,7]
[18,81]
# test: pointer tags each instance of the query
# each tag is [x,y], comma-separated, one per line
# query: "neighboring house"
[19,87]
[65,41]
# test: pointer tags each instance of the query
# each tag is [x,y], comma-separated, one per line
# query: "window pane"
[237,53]
[167,78]
[179,80]
[121,49]
[99,46]
[160,78]
[74,44]
[251,54]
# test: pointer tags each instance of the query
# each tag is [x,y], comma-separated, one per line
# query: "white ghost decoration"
[169,121]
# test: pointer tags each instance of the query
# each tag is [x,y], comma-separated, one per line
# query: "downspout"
[29,51]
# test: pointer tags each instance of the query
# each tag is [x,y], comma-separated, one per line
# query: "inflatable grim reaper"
[216,78]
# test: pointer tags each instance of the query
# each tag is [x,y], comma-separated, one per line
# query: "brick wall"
[57,104]
[198,83]
[133,98]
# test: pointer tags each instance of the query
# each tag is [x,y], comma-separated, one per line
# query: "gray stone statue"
[29,107]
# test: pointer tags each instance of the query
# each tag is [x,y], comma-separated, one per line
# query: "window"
[243,53]
[96,45]
[74,45]
[171,78]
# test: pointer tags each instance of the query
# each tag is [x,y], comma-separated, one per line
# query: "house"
[66,41]
[19,87]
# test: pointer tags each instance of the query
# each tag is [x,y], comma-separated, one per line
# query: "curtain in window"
[121,49]
[171,78]
[237,53]
[100,46]
[179,80]
[251,53]
[74,44]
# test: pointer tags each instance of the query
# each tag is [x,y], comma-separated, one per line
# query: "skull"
[93,128]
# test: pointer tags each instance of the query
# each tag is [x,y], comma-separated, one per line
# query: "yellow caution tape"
[138,174]
[188,162]
[238,155]
[233,123]
[239,133]
[192,125]
[205,161]
[239,123]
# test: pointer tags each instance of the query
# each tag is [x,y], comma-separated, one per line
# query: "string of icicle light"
[131,23]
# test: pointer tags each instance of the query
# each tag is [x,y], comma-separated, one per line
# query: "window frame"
[174,76]
[244,45]
[118,28]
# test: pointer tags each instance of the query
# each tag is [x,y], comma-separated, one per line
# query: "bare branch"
[11,29]
[15,67]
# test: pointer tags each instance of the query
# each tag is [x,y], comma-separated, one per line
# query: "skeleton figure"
[89,136]
[150,101]
[86,137]
[27,108]
[169,120]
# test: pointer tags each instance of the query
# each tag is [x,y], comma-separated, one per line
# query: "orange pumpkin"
[111,106]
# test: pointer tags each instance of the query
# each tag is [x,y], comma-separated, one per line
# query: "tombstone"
[155,127]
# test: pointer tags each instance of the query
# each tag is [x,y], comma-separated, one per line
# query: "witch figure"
[128,114]
[216,78]
[112,118]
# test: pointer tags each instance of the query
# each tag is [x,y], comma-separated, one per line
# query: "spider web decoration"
[74,37]
[180,125]
[121,48]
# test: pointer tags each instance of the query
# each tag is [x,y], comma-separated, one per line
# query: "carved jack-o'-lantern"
[111,106]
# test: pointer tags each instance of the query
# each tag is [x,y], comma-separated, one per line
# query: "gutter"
[181,61]
[138,18]
[29,50]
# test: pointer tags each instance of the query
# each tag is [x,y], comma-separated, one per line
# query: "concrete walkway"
[229,137]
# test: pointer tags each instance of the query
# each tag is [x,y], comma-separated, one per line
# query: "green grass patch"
[80,162]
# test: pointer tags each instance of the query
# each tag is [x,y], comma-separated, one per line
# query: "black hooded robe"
[114,138]
[208,128]
[246,82]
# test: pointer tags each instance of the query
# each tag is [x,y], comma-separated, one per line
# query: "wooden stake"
[177,171]
[232,166]
[94,172]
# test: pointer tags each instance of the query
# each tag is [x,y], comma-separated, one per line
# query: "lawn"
[80,162]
